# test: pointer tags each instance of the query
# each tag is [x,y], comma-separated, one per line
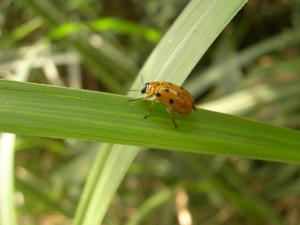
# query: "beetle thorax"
[150,88]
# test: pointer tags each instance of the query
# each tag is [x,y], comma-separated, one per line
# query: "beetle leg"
[171,116]
[150,110]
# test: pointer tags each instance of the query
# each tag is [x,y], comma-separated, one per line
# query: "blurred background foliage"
[251,70]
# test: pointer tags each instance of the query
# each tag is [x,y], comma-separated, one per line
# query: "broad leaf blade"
[43,110]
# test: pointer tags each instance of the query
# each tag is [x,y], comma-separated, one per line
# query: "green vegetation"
[78,156]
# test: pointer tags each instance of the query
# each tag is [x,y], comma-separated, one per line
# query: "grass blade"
[42,110]
[7,208]
[216,71]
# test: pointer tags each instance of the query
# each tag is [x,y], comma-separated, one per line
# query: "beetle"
[174,98]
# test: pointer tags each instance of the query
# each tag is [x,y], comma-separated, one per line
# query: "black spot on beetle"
[170,83]
[167,90]
[171,101]
[158,94]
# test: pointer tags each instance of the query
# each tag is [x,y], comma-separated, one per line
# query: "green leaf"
[106,24]
[42,110]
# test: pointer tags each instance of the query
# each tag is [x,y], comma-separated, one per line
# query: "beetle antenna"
[132,90]
[142,78]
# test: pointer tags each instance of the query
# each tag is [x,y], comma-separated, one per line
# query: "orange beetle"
[173,97]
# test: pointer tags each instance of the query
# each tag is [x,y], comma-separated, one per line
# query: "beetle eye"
[144,89]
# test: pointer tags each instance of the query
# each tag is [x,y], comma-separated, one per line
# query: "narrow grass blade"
[43,110]
[7,207]
[149,205]
[241,102]
[188,39]
[216,71]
